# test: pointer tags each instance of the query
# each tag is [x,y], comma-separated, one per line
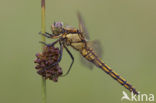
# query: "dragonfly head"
[57,28]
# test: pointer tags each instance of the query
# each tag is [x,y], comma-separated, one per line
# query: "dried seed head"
[48,57]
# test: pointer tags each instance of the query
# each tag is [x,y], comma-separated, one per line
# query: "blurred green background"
[125,28]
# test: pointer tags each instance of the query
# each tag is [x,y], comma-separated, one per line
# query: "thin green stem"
[43,81]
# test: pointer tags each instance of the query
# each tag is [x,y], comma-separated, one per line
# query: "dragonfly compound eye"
[57,27]
[58,24]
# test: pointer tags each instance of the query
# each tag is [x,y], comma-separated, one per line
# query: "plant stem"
[43,81]
[43,90]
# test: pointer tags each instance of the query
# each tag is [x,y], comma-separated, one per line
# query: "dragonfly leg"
[59,59]
[43,43]
[52,44]
[70,54]
[48,35]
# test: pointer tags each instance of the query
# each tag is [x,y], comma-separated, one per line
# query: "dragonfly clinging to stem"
[78,39]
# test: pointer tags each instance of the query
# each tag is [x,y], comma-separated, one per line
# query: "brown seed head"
[49,56]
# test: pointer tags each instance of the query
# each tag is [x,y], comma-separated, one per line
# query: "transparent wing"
[82,27]
[96,46]
[86,63]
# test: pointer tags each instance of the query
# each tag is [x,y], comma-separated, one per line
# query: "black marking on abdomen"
[111,72]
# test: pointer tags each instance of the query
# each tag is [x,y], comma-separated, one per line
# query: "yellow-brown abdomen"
[91,56]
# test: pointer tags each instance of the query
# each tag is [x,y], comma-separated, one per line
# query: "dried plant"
[46,59]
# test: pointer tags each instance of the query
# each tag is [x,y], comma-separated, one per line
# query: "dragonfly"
[78,39]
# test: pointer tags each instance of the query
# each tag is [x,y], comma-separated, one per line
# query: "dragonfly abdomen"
[91,56]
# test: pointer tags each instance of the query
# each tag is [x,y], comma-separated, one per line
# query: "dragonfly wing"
[86,63]
[96,46]
[82,26]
